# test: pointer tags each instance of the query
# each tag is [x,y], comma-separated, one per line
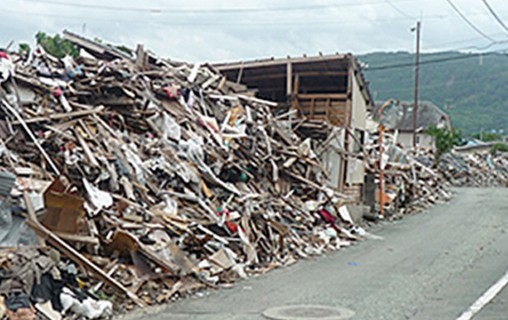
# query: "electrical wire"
[258,23]
[427,90]
[430,86]
[485,47]
[195,11]
[202,22]
[434,61]
[441,44]
[469,22]
[390,3]
[494,14]
[472,47]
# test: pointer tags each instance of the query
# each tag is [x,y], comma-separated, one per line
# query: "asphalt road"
[433,265]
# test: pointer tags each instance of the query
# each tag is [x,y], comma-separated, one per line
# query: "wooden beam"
[63,115]
[31,135]
[72,254]
[79,259]
[283,61]
[250,76]
[289,79]
[347,124]
[322,96]
[78,238]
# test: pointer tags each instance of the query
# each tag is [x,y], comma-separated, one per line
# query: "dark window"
[360,137]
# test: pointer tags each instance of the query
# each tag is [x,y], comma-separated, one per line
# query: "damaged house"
[320,89]
[399,120]
[149,180]
[133,182]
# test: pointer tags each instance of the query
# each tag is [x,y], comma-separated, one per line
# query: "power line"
[224,10]
[187,22]
[494,14]
[469,22]
[258,23]
[468,40]
[487,46]
[398,10]
[472,47]
[463,80]
[201,22]
[433,61]
[425,88]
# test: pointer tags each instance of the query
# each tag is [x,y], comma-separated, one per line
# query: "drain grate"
[309,312]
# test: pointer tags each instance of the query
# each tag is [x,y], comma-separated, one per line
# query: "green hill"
[472,89]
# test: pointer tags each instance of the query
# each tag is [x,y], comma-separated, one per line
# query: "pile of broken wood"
[157,178]
[411,184]
[475,170]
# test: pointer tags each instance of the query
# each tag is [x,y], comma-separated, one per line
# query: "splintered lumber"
[154,177]
[75,256]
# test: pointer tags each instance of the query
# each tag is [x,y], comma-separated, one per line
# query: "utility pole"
[417,73]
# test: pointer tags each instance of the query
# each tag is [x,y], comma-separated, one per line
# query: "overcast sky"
[219,30]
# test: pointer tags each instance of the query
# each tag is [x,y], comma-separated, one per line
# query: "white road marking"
[490,294]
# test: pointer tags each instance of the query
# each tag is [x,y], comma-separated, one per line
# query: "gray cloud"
[345,26]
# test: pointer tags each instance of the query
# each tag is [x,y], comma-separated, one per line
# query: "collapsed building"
[142,180]
[324,88]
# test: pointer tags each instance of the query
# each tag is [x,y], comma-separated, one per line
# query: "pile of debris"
[475,170]
[36,281]
[153,178]
[411,184]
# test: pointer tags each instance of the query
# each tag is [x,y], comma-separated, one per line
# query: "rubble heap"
[156,178]
[411,183]
[475,170]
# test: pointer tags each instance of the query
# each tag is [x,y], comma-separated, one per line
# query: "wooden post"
[347,125]
[141,57]
[289,80]
[240,75]
[417,73]
[381,172]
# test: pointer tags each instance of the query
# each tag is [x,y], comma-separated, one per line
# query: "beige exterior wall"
[355,170]
[331,158]
[405,139]
[359,112]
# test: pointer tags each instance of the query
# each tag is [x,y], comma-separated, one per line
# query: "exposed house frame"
[328,88]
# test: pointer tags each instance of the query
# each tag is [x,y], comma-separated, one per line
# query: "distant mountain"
[472,89]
